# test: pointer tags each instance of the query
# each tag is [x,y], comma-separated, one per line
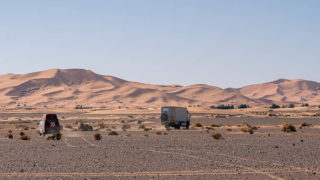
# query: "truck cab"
[175,117]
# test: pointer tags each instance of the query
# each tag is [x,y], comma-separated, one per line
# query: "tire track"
[133,174]
[91,144]
[65,140]
[230,164]
[260,161]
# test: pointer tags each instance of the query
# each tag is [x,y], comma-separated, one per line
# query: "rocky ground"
[268,153]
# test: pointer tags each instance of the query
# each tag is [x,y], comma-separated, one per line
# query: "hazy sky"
[224,43]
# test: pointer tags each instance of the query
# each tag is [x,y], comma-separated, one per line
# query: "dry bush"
[304,124]
[229,129]
[146,135]
[142,126]
[165,133]
[69,126]
[21,127]
[209,128]
[97,137]
[10,136]
[158,133]
[128,135]
[102,125]
[24,138]
[197,124]
[125,126]
[113,127]
[288,127]
[22,133]
[217,136]
[147,129]
[58,136]
[216,125]
[85,127]
[248,128]
[113,133]
[139,122]
[10,131]
[50,137]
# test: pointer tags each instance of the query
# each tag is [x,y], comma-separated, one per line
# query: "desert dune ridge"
[68,88]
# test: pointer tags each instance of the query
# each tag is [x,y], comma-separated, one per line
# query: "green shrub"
[274,106]
[243,106]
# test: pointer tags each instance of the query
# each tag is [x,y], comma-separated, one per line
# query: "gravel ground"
[181,154]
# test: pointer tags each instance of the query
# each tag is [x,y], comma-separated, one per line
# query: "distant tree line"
[241,106]
[275,106]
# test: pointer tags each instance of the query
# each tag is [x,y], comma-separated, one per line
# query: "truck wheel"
[187,126]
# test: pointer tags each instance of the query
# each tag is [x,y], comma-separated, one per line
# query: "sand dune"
[71,87]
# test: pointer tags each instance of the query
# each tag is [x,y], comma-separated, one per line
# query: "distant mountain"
[72,87]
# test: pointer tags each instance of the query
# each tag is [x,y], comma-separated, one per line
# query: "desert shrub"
[304,124]
[248,128]
[197,124]
[97,137]
[10,131]
[21,127]
[291,106]
[10,136]
[139,122]
[274,106]
[85,127]
[243,106]
[146,135]
[147,129]
[113,133]
[22,133]
[305,105]
[58,136]
[102,125]
[165,133]
[288,127]
[69,126]
[142,126]
[209,128]
[215,125]
[24,138]
[125,126]
[51,137]
[217,136]
[229,129]
[158,133]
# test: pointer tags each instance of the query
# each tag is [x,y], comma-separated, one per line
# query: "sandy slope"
[68,88]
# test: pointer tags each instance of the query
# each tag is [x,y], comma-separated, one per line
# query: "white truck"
[175,117]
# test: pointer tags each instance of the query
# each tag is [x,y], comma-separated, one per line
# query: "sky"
[231,43]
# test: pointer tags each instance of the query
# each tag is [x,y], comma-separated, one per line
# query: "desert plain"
[144,149]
